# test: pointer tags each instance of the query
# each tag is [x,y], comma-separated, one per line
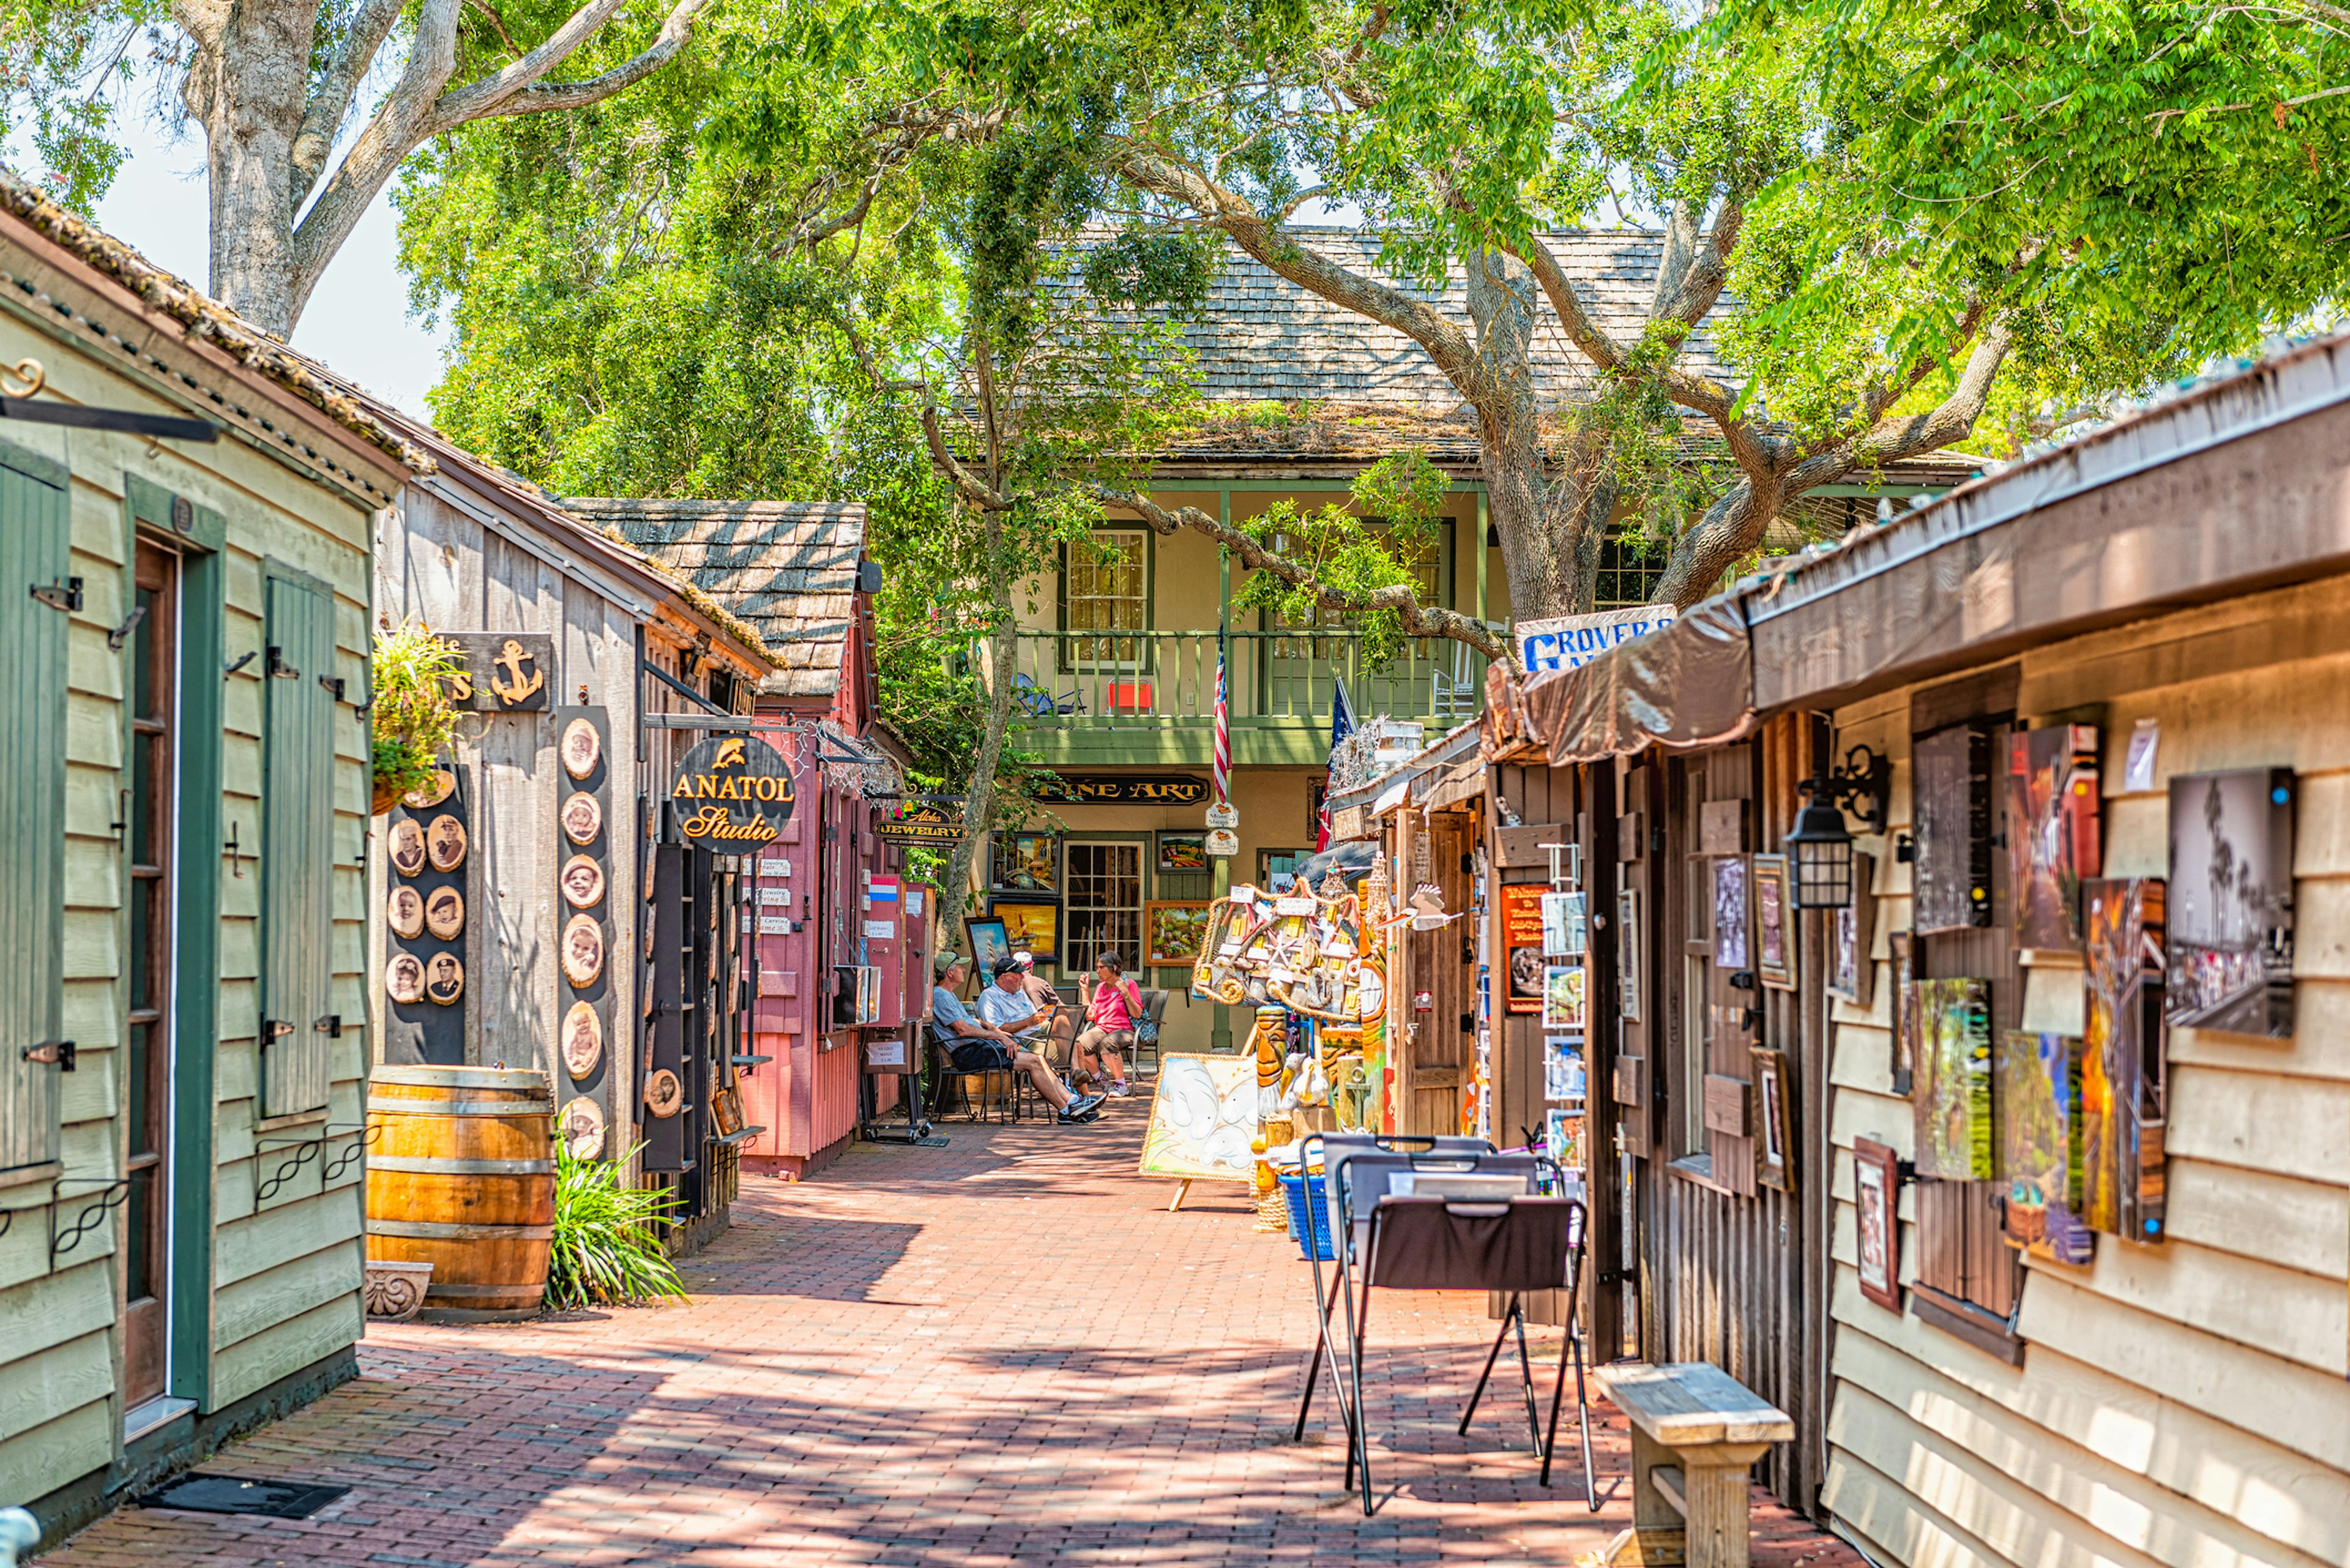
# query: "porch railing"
[1154,678]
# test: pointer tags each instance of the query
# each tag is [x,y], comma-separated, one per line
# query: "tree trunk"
[995,692]
[247,92]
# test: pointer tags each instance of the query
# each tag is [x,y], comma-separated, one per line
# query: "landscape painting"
[2123,1090]
[2053,839]
[2231,902]
[1953,1089]
[2036,1081]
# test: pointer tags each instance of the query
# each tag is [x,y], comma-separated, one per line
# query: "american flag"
[1223,768]
[1342,725]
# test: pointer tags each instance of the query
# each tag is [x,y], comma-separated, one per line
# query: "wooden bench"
[1696,1432]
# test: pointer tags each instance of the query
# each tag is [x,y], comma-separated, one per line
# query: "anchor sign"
[504,672]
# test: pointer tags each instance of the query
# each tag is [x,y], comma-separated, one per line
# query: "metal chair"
[1513,1240]
[998,1087]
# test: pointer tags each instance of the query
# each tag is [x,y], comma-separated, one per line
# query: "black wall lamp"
[1820,842]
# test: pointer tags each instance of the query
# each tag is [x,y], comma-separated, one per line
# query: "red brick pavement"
[1001,1352]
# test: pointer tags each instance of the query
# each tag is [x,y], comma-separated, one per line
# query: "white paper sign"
[1568,641]
[771,896]
[884,930]
[2138,765]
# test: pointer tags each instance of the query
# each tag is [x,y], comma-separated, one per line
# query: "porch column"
[1220,1038]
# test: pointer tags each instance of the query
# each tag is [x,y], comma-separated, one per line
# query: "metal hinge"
[277,667]
[331,1025]
[65,596]
[121,634]
[333,683]
[58,1052]
[271,1028]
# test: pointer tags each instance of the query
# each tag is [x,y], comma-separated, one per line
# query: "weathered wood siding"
[2182,1404]
[283,1273]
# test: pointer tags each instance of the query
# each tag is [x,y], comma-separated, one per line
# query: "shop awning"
[1689,685]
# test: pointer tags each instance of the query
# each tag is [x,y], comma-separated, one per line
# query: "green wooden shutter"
[33,554]
[297,849]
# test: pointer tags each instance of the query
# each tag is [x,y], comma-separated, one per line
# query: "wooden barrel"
[460,1174]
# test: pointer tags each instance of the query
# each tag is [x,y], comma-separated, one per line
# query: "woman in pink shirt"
[1112,1004]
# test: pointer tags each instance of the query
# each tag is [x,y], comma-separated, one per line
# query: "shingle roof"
[787,567]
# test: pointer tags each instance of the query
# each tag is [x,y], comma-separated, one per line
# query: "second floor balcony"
[1150,697]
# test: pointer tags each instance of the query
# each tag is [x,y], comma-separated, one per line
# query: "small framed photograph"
[1731,949]
[1182,854]
[1563,1139]
[989,941]
[1031,926]
[1906,1021]
[1174,930]
[1630,971]
[1563,924]
[1774,923]
[1852,931]
[1563,1072]
[1563,997]
[1775,1128]
[1027,863]
[1877,1193]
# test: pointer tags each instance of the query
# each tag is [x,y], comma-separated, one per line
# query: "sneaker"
[1121,1089]
[1085,1105]
[1080,1111]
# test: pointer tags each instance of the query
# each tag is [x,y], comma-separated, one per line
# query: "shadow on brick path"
[1001,1352]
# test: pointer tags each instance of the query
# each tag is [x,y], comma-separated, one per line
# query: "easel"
[1183,1190]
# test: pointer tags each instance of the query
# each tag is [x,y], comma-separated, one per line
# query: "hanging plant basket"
[414,721]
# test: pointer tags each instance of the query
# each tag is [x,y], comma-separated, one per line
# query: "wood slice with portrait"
[583,1040]
[443,785]
[444,913]
[403,978]
[582,748]
[404,846]
[583,951]
[582,882]
[664,1096]
[581,1127]
[403,911]
[583,818]
[445,979]
[444,842]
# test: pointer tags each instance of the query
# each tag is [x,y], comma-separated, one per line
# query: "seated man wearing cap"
[980,1047]
[1060,1022]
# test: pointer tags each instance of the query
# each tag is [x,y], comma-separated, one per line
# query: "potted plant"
[414,719]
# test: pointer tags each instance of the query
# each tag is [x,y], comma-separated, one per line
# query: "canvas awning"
[1688,685]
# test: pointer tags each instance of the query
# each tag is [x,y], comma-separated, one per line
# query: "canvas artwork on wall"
[1954,1067]
[1951,795]
[1852,932]
[1028,862]
[1563,996]
[2036,1079]
[1034,929]
[1775,934]
[2052,841]
[2231,902]
[2123,1087]
[1729,946]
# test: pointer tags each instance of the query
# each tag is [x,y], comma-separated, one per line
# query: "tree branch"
[1417,620]
[331,100]
[538,98]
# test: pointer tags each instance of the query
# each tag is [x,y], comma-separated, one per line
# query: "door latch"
[58,1053]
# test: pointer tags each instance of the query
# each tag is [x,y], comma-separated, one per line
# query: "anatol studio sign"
[731,794]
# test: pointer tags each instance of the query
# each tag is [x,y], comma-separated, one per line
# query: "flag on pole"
[1223,768]
[1342,725]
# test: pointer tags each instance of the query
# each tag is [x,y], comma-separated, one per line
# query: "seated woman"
[1113,1003]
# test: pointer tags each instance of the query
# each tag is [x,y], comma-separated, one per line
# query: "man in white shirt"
[1008,1026]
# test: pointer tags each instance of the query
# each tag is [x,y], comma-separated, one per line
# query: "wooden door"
[148,822]
[1444,965]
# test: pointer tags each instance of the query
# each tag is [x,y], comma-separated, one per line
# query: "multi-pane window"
[1105,906]
[1628,576]
[1107,597]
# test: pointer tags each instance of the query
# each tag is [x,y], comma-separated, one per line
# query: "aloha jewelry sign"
[732,793]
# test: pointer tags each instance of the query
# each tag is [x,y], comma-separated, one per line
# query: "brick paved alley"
[1003,1351]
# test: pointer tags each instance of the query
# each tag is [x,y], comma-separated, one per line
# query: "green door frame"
[202,535]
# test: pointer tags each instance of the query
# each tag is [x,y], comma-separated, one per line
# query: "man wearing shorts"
[977,1047]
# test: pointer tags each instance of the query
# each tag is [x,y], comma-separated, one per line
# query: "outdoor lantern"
[1822,847]
[1821,843]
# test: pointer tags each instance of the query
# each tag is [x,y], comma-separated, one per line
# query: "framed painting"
[1774,927]
[1174,930]
[988,941]
[1027,863]
[2125,1087]
[1031,926]
[2036,1078]
[1203,1116]
[1629,968]
[1954,1067]
[1774,1122]
[1877,1194]
[1730,948]
[1852,932]
[2052,832]
[1182,854]
[1563,998]
[2231,914]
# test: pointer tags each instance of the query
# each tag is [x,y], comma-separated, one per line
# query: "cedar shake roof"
[786,567]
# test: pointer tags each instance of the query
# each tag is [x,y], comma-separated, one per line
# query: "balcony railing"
[1167,679]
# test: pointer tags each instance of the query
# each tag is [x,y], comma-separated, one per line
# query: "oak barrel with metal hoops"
[460,1174]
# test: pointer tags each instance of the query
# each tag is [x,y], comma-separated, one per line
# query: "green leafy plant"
[415,721]
[607,1237]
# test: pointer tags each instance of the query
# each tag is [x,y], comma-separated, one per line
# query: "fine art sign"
[1138,789]
[732,793]
[504,672]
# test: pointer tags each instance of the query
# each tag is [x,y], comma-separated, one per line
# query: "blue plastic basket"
[1308,1215]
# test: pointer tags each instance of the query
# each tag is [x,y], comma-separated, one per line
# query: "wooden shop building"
[185,518]
[2016,1172]
[541,909]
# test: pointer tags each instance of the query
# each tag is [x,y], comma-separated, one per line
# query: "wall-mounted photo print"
[2231,902]
[1729,946]
[2052,840]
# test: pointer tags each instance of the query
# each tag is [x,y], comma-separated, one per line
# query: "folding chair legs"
[1512,1316]
[1572,1347]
